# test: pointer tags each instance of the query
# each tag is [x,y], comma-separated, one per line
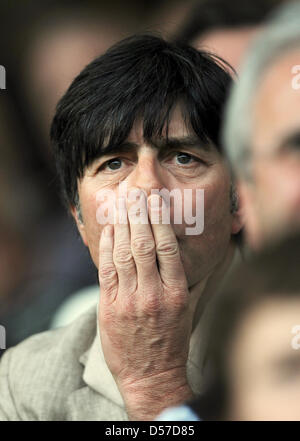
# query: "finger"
[107,273]
[142,241]
[122,255]
[167,249]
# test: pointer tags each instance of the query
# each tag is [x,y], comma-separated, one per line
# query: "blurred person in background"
[262,130]
[253,358]
[224,27]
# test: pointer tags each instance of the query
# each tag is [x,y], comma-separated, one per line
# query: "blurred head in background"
[254,345]
[58,52]
[55,42]
[225,27]
[262,130]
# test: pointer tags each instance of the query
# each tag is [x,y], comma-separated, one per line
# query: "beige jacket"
[62,375]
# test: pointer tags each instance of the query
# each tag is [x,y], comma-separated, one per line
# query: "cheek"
[93,225]
[209,201]
[187,209]
[278,191]
[288,189]
[267,179]
[217,206]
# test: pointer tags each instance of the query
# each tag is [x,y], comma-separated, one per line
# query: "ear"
[246,193]
[237,220]
[80,225]
[237,216]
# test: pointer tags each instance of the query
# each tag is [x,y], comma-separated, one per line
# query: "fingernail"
[108,231]
[154,209]
[154,200]
[155,205]
[133,194]
[122,203]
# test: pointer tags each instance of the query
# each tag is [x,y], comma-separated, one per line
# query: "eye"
[112,164]
[183,158]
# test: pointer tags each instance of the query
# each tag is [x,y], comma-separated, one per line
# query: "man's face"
[181,163]
[272,199]
[264,363]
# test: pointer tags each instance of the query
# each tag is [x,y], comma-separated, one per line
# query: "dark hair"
[208,15]
[141,76]
[269,275]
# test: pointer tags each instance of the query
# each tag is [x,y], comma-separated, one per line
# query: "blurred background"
[43,45]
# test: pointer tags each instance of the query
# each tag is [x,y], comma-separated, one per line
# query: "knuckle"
[167,248]
[143,248]
[108,287]
[179,303]
[179,300]
[152,305]
[122,255]
[127,309]
[107,271]
[177,287]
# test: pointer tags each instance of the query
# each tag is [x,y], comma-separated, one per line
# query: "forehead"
[276,106]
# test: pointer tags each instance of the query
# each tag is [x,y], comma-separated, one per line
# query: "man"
[264,148]
[146,115]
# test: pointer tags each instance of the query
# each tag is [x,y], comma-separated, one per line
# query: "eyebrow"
[179,143]
[171,143]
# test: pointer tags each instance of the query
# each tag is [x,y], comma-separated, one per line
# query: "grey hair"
[234,199]
[281,35]
[78,209]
